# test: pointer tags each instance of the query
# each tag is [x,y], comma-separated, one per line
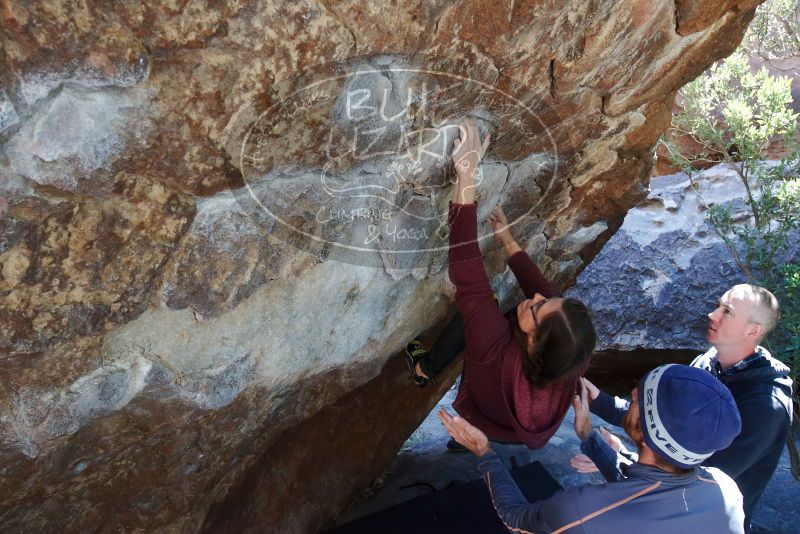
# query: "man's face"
[729,324]
[631,419]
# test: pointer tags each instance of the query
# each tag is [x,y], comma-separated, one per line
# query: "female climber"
[520,369]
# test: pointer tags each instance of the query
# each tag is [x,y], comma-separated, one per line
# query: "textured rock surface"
[219,218]
[654,282]
[318,449]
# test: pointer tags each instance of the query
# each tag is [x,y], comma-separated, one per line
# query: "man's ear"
[755,330]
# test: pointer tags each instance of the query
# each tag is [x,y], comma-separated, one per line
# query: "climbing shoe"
[414,353]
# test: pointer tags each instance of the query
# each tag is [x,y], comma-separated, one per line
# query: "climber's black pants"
[449,345]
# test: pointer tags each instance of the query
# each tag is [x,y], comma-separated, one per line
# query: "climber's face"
[531,312]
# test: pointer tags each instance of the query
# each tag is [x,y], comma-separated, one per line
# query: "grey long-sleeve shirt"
[649,500]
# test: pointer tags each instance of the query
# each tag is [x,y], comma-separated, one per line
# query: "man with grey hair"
[759,383]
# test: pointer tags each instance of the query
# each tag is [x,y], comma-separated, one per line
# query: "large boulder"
[653,284]
[220,219]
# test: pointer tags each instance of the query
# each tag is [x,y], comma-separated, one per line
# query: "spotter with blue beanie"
[759,384]
[678,417]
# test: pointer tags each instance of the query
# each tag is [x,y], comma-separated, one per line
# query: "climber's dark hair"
[564,343]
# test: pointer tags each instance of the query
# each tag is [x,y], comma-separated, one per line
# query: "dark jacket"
[762,389]
[495,395]
[704,501]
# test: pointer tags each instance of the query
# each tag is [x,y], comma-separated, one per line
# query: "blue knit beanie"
[686,414]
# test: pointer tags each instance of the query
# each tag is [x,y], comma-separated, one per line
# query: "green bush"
[733,114]
[774,33]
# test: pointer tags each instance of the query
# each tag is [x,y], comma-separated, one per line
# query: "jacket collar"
[753,360]
[758,366]
[648,472]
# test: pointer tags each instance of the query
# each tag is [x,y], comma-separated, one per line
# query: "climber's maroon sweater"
[494,395]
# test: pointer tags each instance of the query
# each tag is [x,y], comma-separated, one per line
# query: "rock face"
[219,219]
[653,283]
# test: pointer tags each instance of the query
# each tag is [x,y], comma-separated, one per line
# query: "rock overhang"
[142,278]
